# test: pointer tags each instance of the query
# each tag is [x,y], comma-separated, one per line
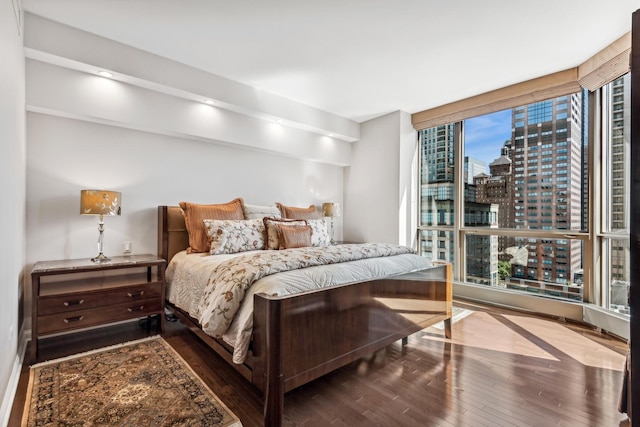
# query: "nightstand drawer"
[76,319]
[81,301]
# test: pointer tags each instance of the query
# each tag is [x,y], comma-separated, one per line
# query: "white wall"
[380,197]
[67,155]
[408,181]
[12,188]
[155,144]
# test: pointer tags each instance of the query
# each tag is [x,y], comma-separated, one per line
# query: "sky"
[485,135]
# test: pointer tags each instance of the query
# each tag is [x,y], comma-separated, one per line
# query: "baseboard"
[12,386]
[518,300]
[614,323]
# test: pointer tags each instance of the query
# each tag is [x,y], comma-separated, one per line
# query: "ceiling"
[359,59]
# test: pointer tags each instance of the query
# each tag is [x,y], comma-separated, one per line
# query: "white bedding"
[188,275]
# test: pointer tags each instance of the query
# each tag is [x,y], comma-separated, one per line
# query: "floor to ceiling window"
[533,198]
[614,102]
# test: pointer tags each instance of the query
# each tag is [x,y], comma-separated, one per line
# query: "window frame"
[460,231]
[604,67]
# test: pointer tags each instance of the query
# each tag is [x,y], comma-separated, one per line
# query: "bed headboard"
[172,232]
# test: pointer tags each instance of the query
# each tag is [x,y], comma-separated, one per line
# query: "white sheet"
[187,276]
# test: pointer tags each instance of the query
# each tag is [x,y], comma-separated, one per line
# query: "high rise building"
[547,190]
[437,206]
[618,98]
[437,149]
[472,168]
[620,125]
[438,154]
[497,188]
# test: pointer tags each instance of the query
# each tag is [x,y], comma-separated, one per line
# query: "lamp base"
[100,258]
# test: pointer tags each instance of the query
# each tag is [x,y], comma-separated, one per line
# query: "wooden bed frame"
[298,338]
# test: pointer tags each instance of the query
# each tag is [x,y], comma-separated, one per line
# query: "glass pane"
[482,260]
[437,245]
[530,265]
[617,119]
[617,276]
[437,149]
[527,170]
[616,126]
[531,162]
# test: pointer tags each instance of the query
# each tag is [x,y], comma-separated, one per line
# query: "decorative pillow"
[319,232]
[228,236]
[294,236]
[298,213]
[271,226]
[259,212]
[195,213]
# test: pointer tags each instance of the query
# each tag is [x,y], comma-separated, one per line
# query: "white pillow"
[229,236]
[319,232]
[259,212]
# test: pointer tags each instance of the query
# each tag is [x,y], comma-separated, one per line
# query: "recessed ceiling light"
[105,74]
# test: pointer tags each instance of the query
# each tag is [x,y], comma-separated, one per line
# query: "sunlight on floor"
[492,332]
[474,329]
[573,344]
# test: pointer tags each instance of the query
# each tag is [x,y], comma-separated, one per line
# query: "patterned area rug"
[142,383]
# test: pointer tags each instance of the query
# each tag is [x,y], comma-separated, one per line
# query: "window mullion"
[458,223]
[593,266]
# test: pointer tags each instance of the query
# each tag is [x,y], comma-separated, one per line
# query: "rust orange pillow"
[294,236]
[271,226]
[298,213]
[194,214]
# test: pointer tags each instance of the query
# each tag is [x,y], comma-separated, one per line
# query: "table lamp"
[331,210]
[100,202]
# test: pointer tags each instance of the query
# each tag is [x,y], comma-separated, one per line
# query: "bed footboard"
[302,337]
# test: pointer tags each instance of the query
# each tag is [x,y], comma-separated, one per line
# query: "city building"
[472,168]
[497,188]
[547,191]
[619,98]
[437,206]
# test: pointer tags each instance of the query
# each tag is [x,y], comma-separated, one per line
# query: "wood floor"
[501,368]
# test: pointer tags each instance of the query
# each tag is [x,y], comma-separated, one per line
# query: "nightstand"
[74,294]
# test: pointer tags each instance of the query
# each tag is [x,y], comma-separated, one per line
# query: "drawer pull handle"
[132,309]
[73,319]
[137,294]
[76,302]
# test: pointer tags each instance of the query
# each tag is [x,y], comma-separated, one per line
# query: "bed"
[297,338]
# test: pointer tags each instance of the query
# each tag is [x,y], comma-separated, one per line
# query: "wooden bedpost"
[163,236]
[449,297]
[274,376]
